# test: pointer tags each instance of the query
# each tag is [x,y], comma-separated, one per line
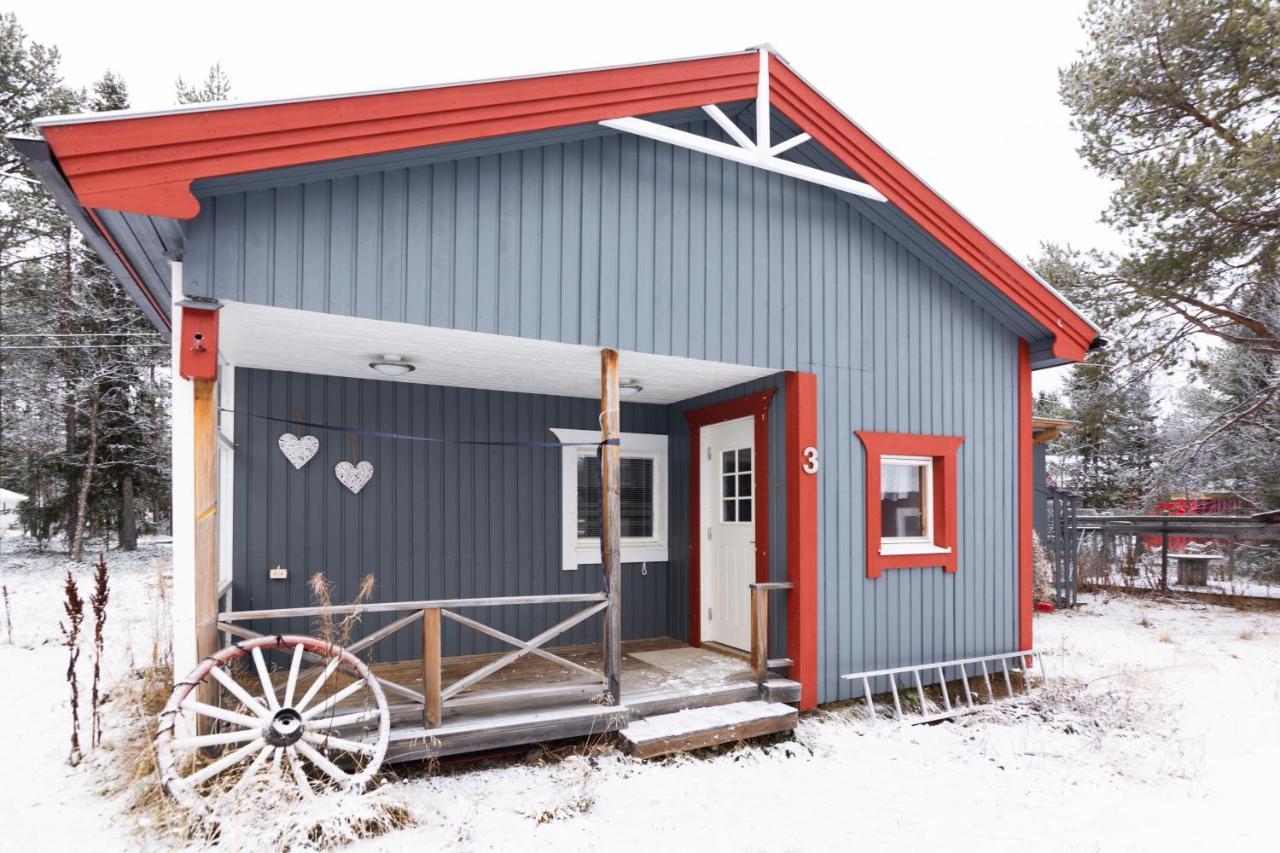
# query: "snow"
[680,723]
[1149,579]
[54,806]
[1157,732]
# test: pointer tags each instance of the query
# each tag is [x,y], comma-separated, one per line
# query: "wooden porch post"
[193,394]
[205,455]
[611,520]
[431,710]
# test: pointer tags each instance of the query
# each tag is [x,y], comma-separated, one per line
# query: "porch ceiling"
[313,342]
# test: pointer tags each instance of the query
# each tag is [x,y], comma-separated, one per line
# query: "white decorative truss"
[760,152]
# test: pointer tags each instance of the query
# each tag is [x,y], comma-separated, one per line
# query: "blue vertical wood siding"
[436,520]
[625,242]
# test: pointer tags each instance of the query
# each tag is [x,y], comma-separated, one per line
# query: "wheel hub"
[284,729]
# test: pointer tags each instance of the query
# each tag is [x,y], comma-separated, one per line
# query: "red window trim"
[943,449]
[754,406]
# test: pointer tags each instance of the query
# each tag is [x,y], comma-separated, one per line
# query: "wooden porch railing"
[435,697]
[761,663]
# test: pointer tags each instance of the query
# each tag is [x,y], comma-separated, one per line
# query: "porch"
[534,701]
[481,530]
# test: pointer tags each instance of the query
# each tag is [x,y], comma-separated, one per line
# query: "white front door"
[728,510]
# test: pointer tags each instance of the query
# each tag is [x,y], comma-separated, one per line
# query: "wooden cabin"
[634,389]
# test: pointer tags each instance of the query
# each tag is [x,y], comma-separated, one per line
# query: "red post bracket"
[198,337]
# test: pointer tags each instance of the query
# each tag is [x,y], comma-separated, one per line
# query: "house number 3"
[810,460]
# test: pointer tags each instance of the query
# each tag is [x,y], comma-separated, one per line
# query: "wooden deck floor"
[534,700]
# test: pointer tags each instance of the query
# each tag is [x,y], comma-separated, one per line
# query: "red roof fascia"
[147,164]
[829,127]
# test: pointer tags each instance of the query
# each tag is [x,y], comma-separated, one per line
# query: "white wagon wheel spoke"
[293,675]
[279,732]
[332,770]
[327,741]
[219,739]
[222,714]
[268,689]
[240,693]
[342,721]
[209,771]
[299,776]
[333,700]
[318,683]
[252,770]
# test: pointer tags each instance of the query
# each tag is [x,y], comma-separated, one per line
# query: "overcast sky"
[964,93]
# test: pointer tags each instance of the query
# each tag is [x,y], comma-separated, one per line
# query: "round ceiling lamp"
[629,388]
[392,365]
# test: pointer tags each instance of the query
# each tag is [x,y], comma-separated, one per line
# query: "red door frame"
[756,407]
[801,412]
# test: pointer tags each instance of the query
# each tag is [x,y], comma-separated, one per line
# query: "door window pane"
[735,484]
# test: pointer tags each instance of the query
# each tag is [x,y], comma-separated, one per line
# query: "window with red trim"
[911,501]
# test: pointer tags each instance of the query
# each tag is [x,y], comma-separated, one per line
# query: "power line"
[79,335]
[81,346]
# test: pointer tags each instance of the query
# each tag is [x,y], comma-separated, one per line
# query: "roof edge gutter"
[39,158]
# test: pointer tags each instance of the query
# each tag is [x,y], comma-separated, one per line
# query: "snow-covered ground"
[47,804]
[1158,732]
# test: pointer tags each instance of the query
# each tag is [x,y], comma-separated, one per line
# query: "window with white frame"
[643,491]
[906,504]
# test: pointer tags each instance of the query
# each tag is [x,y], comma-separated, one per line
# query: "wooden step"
[701,727]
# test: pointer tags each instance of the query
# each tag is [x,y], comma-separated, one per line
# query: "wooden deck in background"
[526,702]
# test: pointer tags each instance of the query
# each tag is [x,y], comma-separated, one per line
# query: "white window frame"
[924,544]
[586,551]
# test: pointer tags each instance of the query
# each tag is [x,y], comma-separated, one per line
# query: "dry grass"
[269,814]
[1166,637]
[1248,634]
[336,633]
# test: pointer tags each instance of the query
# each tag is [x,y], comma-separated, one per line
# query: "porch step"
[701,727]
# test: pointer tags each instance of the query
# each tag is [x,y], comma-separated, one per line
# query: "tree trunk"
[86,480]
[128,517]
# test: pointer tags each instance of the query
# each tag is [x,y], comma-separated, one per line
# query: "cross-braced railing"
[435,696]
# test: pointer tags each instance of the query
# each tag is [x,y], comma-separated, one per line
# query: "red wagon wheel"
[269,730]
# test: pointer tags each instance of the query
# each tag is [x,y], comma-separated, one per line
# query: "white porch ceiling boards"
[313,342]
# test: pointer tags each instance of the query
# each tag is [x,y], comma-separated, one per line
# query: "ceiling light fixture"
[392,365]
[629,388]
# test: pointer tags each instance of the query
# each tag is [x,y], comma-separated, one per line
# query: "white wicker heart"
[354,477]
[298,450]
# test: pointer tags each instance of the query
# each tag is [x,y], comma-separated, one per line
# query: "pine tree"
[216,86]
[1112,449]
[82,389]
[1178,104]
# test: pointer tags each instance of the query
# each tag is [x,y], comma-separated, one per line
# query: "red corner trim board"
[1025,497]
[147,164]
[802,533]
[943,450]
[751,406]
